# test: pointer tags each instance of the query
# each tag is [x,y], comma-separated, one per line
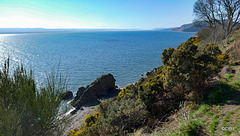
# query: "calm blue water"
[84,56]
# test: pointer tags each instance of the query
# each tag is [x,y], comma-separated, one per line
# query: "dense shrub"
[90,121]
[117,117]
[25,109]
[190,67]
[124,91]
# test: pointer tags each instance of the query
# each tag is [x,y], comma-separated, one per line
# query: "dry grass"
[233,49]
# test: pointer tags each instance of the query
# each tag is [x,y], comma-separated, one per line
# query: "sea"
[81,57]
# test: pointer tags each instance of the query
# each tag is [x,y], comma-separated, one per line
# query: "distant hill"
[192,27]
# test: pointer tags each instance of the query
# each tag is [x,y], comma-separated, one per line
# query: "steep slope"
[233,49]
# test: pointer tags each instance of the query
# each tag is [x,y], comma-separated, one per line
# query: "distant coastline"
[189,28]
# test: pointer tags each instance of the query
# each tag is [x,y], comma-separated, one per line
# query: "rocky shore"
[102,87]
[87,97]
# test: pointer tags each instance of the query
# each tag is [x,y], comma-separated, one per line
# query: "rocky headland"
[103,87]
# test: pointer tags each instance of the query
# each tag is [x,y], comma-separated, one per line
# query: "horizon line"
[85,28]
[29,30]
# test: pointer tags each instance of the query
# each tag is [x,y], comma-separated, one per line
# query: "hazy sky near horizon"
[119,14]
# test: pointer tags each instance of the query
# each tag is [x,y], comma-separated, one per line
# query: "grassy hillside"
[217,114]
[233,49]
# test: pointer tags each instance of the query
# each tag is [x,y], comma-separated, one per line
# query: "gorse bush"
[190,67]
[25,109]
[90,120]
[123,91]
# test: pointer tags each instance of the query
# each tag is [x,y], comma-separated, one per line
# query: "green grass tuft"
[224,123]
[237,85]
[213,124]
[230,77]
[202,109]
[237,63]
[191,128]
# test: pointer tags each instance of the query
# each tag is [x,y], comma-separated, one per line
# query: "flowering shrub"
[123,91]
[140,80]
[222,57]
[90,120]
[189,66]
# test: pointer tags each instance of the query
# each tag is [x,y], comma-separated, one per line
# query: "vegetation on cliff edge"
[184,76]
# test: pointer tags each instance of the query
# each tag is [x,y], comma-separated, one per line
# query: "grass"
[187,128]
[213,125]
[237,63]
[237,85]
[202,109]
[220,93]
[227,122]
[224,122]
[206,120]
[191,128]
[230,77]
[234,38]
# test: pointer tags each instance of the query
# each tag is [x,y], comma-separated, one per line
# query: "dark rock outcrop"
[103,86]
[151,72]
[80,92]
[67,95]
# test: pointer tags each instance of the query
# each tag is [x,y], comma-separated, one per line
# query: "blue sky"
[119,14]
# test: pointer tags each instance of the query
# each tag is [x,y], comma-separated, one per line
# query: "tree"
[222,14]
[232,9]
[204,10]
